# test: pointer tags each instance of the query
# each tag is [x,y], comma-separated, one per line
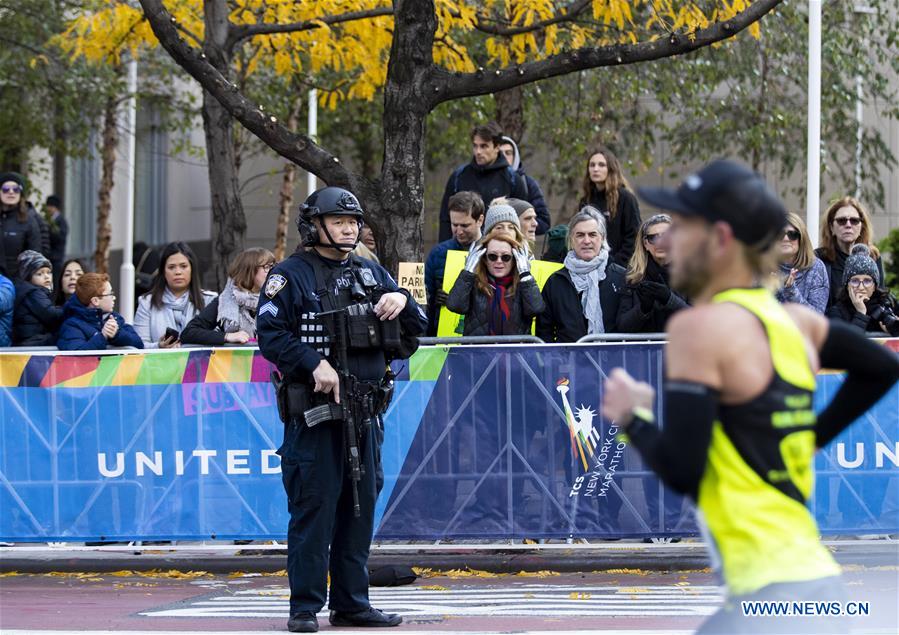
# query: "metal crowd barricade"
[491,441]
[481,340]
[623,337]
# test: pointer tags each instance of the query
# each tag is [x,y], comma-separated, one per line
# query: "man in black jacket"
[583,296]
[488,174]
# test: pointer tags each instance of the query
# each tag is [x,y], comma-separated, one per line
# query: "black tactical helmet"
[328,201]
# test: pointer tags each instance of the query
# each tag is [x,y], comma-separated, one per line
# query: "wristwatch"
[640,417]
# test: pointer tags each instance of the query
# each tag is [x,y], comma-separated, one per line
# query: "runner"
[740,433]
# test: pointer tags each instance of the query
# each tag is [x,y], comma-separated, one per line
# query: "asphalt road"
[622,600]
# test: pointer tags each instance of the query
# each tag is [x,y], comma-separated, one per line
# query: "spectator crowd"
[610,273]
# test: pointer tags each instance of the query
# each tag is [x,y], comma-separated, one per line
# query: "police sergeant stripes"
[527,600]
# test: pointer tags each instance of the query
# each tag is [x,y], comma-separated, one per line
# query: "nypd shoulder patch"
[274,284]
[269,308]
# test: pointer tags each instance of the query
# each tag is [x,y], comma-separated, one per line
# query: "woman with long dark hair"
[72,269]
[175,297]
[605,188]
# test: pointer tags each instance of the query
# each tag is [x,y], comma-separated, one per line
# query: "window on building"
[151,182]
[81,200]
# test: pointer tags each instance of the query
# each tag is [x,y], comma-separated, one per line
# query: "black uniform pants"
[323,535]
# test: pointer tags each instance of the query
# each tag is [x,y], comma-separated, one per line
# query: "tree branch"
[239,33]
[562,15]
[447,86]
[298,148]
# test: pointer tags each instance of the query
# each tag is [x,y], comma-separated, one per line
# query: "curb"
[649,558]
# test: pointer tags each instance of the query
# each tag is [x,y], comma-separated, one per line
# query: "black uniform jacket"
[290,291]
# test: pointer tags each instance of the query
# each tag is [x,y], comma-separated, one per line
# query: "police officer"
[325,534]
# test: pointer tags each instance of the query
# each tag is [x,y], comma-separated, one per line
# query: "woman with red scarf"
[496,292]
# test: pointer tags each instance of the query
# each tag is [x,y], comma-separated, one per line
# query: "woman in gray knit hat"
[502,218]
[861,300]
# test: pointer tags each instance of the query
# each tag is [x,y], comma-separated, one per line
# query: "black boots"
[367,618]
[303,622]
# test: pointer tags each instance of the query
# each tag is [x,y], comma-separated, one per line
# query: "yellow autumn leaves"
[353,54]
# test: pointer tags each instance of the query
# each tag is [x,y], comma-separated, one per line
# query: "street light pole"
[312,131]
[860,10]
[813,186]
[126,272]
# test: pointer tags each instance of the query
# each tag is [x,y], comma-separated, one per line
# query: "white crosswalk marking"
[520,600]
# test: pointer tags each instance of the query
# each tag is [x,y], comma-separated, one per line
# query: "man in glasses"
[739,431]
[20,227]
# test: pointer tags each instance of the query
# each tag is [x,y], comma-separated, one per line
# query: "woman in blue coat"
[90,322]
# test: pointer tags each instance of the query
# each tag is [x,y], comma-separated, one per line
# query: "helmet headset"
[328,201]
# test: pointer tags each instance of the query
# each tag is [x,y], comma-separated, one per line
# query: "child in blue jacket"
[90,322]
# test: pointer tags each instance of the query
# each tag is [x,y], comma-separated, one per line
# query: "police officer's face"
[343,229]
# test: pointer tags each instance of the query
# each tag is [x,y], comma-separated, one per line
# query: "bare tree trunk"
[286,197]
[287,183]
[406,107]
[510,112]
[229,224]
[110,140]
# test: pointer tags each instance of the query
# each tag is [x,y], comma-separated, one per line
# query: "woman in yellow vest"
[739,432]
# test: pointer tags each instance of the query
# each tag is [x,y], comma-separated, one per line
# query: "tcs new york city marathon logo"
[598,455]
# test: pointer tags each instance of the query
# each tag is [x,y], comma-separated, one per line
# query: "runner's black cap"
[727,191]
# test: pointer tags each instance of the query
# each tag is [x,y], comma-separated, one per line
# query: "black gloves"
[650,293]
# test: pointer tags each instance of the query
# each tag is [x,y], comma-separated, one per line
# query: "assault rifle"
[350,397]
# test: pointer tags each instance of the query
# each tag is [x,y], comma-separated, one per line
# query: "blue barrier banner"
[485,442]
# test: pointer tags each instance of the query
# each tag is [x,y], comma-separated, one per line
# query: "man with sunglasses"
[740,431]
[20,227]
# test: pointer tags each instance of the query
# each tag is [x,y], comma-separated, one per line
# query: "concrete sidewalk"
[562,558]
